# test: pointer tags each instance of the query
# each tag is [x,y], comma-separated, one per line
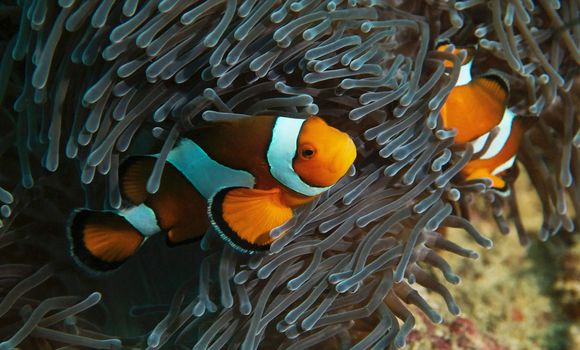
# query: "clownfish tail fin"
[101,241]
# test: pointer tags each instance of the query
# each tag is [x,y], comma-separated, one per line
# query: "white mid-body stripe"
[505,128]
[205,174]
[479,143]
[505,166]
[464,74]
[142,218]
[281,153]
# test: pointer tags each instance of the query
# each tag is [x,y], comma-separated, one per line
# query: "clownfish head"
[323,154]
[308,156]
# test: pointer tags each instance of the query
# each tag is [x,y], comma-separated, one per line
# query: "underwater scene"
[289,174]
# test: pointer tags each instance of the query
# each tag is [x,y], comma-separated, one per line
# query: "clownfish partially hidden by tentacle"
[474,108]
[241,177]
[500,155]
[475,105]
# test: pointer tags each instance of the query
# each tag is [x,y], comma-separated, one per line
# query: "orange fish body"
[241,178]
[475,107]
[500,155]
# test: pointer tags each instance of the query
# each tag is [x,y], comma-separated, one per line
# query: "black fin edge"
[79,253]
[215,215]
[497,77]
[504,191]
[441,42]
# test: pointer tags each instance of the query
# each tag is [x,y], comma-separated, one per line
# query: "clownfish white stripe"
[479,143]
[505,166]
[464,74]
[281,153]
[142,218]
[505,127]
[206,175]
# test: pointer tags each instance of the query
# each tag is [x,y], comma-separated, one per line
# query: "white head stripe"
[206,175]
[142,218]
[281,153]
[505,166]
[505,128]
[464,74]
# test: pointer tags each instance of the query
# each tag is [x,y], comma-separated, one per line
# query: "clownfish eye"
[307,152]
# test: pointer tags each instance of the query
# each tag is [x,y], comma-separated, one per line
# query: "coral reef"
[83,84]
[526,303]
[569,281]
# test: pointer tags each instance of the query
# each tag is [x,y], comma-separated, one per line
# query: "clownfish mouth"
[343,160]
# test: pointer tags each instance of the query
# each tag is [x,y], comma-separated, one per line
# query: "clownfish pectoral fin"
[244,217]
[497,182]
[133,176]
[101,241]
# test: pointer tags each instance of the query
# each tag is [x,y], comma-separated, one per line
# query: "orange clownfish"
[500,155]
[474,107]
[241,177]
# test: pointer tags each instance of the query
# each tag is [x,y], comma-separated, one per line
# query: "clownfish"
[473,108]
[240,177]
[475,105]
[500,155]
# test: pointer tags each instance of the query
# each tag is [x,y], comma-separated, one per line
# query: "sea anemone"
[84,84]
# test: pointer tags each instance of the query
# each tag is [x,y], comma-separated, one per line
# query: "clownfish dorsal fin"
[177,206]
[209,125]
[133,176]
[494,85]
[244,217]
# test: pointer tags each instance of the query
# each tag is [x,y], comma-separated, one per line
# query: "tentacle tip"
[246,310]
[473,255]
[453,278]
[361,223]
[342,287]
[198,309]
[227,303]
[293,285]
[454,309]
[544,235]
[436,318]
[307,325]
[262,274]
[488,244]
[153,340]
[400,342]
